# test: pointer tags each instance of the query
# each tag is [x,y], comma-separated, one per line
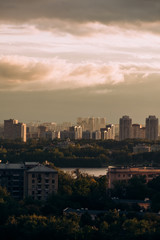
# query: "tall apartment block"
[91,124]
[138,132]
[75,132]
[125,128]
[30,179]
[14,130]
[152,128]
[108,132]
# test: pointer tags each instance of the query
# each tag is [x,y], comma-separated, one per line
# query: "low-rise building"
[115,174]
[155,148]
[40,181]
[141,148]
[29,179]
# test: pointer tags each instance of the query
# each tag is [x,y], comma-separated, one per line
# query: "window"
[33,175]
[150,175]
[33,181]
[39,175]
[39,180]
[53,180]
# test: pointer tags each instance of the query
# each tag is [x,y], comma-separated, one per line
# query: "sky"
[62,59]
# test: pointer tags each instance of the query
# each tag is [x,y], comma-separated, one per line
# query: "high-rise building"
[96,135]
[108,132]
[86,135]
[91,124]
[42,131]
[125,128]
[152,128]
[14,130]
[142,132]
[75,132]
[8,128]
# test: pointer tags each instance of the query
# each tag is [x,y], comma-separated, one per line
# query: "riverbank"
[91,171]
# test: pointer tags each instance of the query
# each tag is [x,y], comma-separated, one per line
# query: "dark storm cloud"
[103,11]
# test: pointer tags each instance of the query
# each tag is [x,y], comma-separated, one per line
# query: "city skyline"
[62,59]
[76,120]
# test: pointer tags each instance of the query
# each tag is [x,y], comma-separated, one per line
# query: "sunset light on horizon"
[73,58]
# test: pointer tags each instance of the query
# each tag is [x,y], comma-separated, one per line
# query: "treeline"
[84,154]
[110,226]
[30,219]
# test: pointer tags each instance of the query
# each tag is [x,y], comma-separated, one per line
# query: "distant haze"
[63,59]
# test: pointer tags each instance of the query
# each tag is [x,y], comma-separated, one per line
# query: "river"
[91,171]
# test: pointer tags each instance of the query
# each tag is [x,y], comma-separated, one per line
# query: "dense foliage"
[85,153]
[30,219]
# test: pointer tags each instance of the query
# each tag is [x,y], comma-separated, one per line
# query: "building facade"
[108,132]
[40,182]
[125,128]
[152,128]
[141,148]
[14,130]
[91,124]
[28,180]
[135,131]
[115,174]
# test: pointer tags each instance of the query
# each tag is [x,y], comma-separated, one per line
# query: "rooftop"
[12,166]
[42,168]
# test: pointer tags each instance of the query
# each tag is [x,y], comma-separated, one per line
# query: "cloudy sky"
[61,59]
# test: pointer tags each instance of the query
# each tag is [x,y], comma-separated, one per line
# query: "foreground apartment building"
[29,179]
[125,173]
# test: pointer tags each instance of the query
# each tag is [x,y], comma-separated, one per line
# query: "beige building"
[115,174]
[136,131]
[40,182]
[125,128]
[14,130]
[29,179]
[96,135]
[42,131]
[108,132]
[91,124]
[155,148]
[141,148]
[152,128]
[142,132]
